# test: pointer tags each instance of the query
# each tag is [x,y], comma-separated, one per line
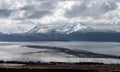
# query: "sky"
[23,15]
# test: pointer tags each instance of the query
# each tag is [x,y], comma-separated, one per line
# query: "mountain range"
[62,32]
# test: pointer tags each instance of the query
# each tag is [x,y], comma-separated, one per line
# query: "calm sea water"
[112,48]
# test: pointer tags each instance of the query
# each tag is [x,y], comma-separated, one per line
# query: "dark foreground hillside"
[57,67]
[62,68]
[45,70]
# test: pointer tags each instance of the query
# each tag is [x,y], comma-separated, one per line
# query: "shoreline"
[61,68]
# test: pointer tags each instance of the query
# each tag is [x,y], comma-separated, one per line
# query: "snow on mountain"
[66,28]
[60,28]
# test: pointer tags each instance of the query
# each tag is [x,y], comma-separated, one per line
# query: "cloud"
[35,10]
[48,5]
[90,8]
[4,13]
[38,14]
[32,12]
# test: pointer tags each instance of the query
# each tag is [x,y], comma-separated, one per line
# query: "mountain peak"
[60,28]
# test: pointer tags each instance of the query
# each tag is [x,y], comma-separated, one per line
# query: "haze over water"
[112,48]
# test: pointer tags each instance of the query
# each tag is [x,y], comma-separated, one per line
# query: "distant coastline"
[76,36]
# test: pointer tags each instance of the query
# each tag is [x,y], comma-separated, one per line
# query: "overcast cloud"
[89,8]
[27,13]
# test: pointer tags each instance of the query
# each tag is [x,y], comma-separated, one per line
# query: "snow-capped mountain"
[65,28]
[62,32]
[60,28]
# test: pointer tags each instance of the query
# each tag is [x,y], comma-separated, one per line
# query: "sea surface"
[18,51]
[112,48]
